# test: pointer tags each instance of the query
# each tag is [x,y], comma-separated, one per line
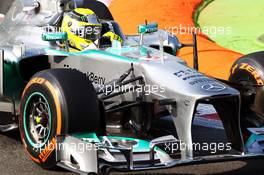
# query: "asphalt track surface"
[13,160]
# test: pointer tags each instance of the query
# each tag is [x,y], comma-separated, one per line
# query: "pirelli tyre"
[57,102]
[248,71]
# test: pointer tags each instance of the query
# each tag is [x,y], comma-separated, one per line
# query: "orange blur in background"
[214,60]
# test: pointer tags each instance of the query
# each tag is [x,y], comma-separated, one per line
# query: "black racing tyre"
[57,102]
[249,72]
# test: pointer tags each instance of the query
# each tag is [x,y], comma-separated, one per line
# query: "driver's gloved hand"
[113,36]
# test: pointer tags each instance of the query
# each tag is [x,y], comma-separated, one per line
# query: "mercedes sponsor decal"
[213,87]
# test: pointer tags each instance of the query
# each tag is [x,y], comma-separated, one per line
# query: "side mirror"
[147,28]
[56,36]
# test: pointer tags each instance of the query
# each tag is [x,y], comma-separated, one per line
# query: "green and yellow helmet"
[82,26]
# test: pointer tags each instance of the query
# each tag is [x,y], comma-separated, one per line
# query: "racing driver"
[84,29]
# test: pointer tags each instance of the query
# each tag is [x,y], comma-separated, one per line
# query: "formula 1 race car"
[61,99]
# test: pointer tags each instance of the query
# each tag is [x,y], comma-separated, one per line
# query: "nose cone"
[178,79]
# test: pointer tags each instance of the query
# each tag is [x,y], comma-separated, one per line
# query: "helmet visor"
[92,19]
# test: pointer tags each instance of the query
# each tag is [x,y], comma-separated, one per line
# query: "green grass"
[243,18]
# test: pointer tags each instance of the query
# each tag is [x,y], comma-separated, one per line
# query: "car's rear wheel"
[57,102]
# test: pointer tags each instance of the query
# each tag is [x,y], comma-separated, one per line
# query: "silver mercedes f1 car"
[62,99]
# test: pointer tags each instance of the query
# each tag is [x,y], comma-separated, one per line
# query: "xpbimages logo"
[146,89]
[212,31]
[207,147]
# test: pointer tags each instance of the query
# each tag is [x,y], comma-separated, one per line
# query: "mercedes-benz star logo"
[213,87]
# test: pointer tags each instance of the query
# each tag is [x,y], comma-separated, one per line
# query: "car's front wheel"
[57,102]
[248,71]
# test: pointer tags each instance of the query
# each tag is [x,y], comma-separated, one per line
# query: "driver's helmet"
[82,26]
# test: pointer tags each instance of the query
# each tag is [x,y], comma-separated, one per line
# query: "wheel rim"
[37,120]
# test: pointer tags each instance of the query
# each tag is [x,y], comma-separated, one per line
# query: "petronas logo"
[83,18]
